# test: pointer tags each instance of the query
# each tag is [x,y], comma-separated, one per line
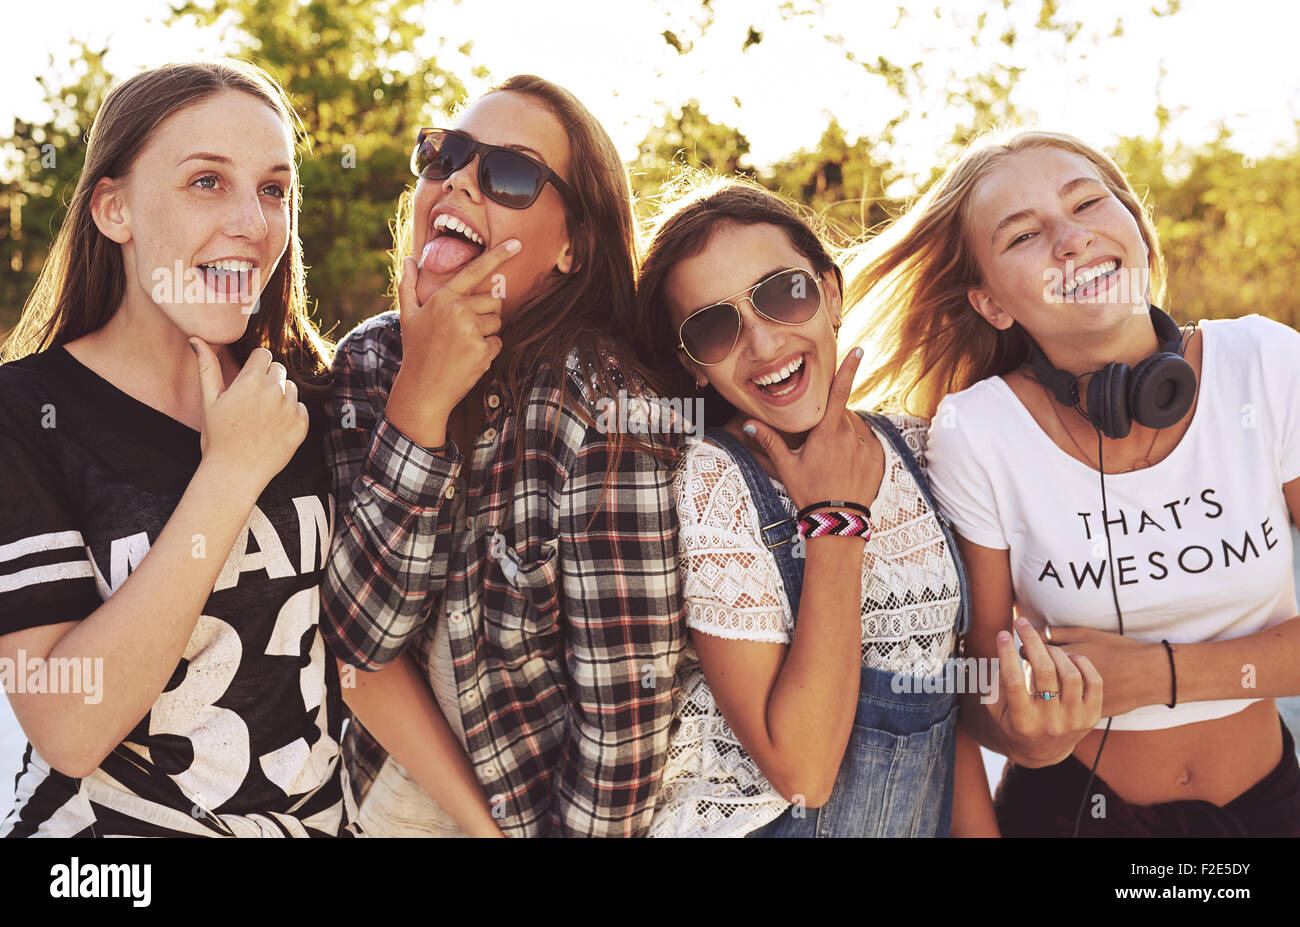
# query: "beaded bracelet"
[844,524]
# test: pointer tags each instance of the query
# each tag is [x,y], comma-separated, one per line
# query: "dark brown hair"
[592,309]
[680,231]
[83,279]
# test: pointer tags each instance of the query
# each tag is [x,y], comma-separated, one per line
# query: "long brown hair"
[906,301]
[591,309]
[702,202]
[83,279]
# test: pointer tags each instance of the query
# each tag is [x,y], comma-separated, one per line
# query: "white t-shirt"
[1201,541]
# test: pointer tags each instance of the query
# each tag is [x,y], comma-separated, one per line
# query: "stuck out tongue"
[447,253]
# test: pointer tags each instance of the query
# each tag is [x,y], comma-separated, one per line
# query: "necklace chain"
[1146,457]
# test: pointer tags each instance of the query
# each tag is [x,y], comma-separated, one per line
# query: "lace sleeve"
[731,584]
[915,431]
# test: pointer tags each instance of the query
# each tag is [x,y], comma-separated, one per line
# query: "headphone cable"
[1114,594]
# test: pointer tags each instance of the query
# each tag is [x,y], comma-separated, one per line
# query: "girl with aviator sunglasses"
[506,567]
[821,587]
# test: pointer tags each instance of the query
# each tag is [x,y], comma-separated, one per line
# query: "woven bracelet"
[846,524]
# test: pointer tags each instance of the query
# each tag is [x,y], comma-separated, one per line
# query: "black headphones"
[1157,392]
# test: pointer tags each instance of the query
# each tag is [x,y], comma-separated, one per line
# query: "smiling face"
[1058,252]
[795,363]
[208,195]
[517,121]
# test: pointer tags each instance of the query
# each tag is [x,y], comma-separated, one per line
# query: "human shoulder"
[711,489]
[913,429]
[1256,334]
[598,397]
[29,384]
[375,343]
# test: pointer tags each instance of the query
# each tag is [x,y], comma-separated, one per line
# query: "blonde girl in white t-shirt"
[1041,239]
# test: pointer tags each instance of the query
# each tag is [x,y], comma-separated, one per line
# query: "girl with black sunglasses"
[824,596]
[498,548]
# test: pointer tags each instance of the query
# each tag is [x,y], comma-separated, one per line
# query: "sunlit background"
[849,107]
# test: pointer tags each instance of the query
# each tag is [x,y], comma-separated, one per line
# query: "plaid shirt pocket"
[524,623]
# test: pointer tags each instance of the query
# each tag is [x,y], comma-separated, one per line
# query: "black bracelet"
[833,505]
[1173,676]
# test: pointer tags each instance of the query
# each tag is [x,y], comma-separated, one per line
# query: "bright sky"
[1233,63]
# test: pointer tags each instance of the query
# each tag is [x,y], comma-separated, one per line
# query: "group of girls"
[540,625]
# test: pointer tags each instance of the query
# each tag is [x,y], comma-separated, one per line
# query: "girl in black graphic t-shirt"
[163,522]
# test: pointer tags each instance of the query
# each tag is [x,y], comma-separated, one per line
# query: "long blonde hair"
[906,301]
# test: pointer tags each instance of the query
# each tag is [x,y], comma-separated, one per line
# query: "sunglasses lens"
[710,334]
[511,179]
[791,297]
[439,155]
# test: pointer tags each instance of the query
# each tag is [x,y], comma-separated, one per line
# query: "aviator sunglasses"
[505,176]
[790,297]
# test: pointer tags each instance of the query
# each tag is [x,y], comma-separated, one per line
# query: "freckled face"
[801,359]
[1058,252]
[209,193]
[511,119]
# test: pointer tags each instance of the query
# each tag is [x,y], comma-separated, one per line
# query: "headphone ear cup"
[1108,400]
[1162,390]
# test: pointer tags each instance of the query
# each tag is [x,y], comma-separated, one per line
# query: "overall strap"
[777,528]
[889,430]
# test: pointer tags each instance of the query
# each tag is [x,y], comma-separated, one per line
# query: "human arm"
[393,468]
[398,708]
[1028,731]
[250,431]
[972,805]
[1264,664]
[392,539]
[790,702]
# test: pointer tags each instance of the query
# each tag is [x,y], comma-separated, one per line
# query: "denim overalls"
[896,778]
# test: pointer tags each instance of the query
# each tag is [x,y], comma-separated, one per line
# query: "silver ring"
[1048,696]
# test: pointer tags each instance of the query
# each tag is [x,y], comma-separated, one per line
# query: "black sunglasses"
[505,176]
[791,297]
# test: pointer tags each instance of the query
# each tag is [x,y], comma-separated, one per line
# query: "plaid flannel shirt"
[565,630]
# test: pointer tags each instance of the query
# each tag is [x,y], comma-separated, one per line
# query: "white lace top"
[910,596]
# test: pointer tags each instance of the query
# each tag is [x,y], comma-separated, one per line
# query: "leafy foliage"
[1230,226]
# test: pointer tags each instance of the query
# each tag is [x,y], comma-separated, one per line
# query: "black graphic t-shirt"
[244,739]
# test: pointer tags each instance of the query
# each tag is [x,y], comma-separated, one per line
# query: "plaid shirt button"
[451,491]
[469,523]
[493,400]
[490,434]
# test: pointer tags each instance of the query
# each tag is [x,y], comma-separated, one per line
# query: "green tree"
[1229,225]
[41,164]
[844,182]
[684,139]
[353,73]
